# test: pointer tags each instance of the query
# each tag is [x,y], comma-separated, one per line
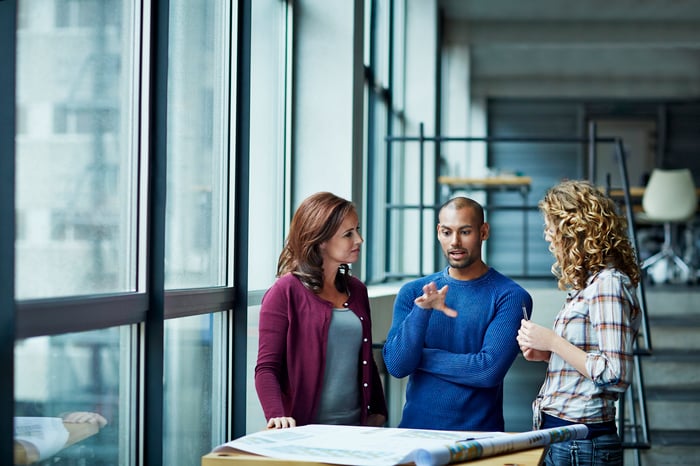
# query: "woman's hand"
[526,335]
[535,355]
[85,417]
[281,422]
[535,337]
[539,343]
[432,298]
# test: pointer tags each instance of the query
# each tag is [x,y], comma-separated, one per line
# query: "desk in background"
[489,183]
[521,184]
[637,191]
[521,458]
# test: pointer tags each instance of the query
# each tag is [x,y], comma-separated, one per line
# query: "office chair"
[669,199]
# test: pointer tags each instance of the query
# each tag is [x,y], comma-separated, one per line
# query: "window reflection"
[72,398]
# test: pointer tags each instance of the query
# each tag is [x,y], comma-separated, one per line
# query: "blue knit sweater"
[456,365]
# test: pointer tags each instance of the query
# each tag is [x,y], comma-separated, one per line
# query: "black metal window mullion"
[240,215]
[372,156]
[78,313]
[153,330]
[8,30]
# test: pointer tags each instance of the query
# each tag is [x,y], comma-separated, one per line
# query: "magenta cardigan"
[293,333]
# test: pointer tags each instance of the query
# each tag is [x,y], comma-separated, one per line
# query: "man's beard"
[461,264]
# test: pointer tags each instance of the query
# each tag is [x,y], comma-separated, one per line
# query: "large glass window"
[197,226]
[195,387]
[198,178]
[268,167]
[74,398]
[76,204]
[383,59]
[83,144]
[73,148]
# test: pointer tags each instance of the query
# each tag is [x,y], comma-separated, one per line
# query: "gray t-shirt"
[340,396]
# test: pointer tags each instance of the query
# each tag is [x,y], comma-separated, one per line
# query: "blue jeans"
[603,450]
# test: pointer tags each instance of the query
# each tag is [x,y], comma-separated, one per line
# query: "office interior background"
[152,154]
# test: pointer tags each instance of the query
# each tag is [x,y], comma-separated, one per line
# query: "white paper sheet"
[371,446]
[347,445]
[46,434]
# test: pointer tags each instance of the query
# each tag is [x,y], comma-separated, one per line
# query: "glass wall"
[85,212]
[88,114]
[270,69]
[194,388]
[76,205]
[384,62]
[198,176]
[76,208]
[77,391]
[197,225]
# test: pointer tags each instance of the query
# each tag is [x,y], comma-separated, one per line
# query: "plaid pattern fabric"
[602,320]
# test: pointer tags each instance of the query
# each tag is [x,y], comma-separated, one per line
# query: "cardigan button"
[364,362]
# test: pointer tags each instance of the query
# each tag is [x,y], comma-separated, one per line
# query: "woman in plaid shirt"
[590,348]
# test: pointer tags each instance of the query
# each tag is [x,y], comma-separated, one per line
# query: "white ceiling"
[588,10]
[620,48]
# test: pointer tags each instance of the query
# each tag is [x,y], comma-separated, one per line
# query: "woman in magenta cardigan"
[315,363]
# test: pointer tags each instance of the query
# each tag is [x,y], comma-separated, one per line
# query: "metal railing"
[634,399]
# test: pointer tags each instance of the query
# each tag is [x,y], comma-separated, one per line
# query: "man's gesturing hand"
[432,298]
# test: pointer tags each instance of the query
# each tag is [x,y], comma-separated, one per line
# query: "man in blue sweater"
[453,333]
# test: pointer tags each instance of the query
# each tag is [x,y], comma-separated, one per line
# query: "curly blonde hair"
[587,234]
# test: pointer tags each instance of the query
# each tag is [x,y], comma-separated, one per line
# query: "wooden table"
[77,431]
[531,457]
[503,183]
[636,191]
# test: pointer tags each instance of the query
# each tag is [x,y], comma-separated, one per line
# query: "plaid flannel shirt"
[602,320]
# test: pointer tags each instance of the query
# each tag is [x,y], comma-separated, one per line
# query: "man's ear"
[485,230]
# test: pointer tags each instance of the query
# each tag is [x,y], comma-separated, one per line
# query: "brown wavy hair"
[315,221]
[588,234]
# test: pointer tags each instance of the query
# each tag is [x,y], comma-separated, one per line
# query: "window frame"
[8,45]
[150,304]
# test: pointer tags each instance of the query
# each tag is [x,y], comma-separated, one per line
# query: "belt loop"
[537,413]
[573,451]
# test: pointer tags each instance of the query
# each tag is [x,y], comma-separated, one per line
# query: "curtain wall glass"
[268,167]
[381,61]
[74,401]
[75,171]
[81,245]
[194,387]
[76,210]
[197,226]
[198,103]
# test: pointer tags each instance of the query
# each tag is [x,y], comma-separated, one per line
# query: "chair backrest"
[670,195]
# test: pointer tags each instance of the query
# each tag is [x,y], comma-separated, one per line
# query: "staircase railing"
[633,423]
